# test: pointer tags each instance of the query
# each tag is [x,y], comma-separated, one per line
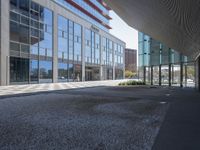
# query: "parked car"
[190,81]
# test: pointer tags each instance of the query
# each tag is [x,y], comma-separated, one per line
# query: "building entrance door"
[88,75]
[92,73]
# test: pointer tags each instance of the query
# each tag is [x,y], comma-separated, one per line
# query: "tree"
[129,74]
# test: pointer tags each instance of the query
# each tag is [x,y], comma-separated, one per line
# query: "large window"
[62,72]
[71,73]
[71,40]
[92,73]
[62,38]
[92,47]
[77,42]
[78,72]
[46,71]
[88,49]
[118,74]
[19,70]
[97,48]
[31,29]
[69,50]
[110,53]
[104,51]
[34,71]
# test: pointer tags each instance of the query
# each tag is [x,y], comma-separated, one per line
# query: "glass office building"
[47,41]
[161,65]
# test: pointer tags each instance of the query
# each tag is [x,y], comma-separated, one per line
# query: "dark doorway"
[19,70]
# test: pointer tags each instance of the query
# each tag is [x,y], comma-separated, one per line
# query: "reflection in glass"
[46,71]
[78,72]
[77,42]
[118,74]
[189,74]
[62,72]
[148,75]
[71,73]
[92,73]
[34,71]
[175,74]
[156,75]
[19,70]
[165,75]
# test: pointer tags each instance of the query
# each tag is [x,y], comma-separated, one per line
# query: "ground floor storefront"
[176,74]
[33,71]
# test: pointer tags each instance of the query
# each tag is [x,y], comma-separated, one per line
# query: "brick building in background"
[131,60]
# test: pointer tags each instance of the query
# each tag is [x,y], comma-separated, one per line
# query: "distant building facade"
[45,41]
[162,65]
[131,60]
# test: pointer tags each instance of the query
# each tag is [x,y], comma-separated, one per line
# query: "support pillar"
[5,47]
[151,75]
[144,74]
[170,84]
[185,75]
[101,73]
[113,72]
[172,76]
[101,60]
[181,75]
[197,74]
[160,83]
[83,54]
[55,48]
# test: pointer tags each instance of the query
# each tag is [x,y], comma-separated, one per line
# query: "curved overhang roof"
[173,22]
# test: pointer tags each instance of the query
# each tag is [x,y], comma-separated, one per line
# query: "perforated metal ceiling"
[173,22]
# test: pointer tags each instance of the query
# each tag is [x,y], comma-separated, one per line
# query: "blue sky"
[123,31]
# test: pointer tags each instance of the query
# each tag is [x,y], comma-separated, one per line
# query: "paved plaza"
[99,117]
[33,88]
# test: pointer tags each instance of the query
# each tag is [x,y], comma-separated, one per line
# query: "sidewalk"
[32,88]
[181,127]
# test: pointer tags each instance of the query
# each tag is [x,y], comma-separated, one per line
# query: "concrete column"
[181,70]
[170,65]
[160,79]
[181,75]
[124,69]
[113,59]
[83,54]
[101,58]
[55,47]
[170,76]
[144,74]
[151,75]
[185,75]
[5,48]
[101,73]
[197,74]
[113,73]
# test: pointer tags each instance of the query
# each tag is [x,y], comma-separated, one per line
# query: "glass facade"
[159,64]
[113,55]
[92,47]
[69,50]
[89,9]
[92,73]
[19,70]
[32,47]
[31,40]
[119,61]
